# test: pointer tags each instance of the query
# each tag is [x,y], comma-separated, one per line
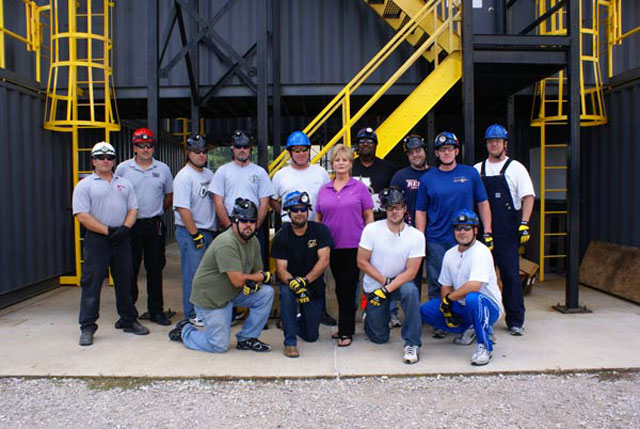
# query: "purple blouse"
[342,211]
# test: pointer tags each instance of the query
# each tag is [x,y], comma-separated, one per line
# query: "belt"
[148,219]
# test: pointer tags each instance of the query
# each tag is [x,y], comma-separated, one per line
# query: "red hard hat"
[143,135]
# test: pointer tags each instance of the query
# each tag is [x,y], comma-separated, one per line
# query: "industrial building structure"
[563,75]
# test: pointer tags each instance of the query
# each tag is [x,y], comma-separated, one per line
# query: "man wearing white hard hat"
[105,205]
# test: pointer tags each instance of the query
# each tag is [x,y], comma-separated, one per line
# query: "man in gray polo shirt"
[105,204]
[241,178]
[195,217]
[153,184]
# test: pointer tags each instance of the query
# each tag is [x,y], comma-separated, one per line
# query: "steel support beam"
[262,111]
[468,97]
[275,67]
[152,65]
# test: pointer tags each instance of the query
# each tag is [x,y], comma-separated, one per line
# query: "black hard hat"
[413,141]
[196,141]
[244,209]
[240,138]
[391,196]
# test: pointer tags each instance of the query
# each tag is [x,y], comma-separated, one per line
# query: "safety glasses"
[247,220]
[144,145]
[302,209]
[103,157]
[459,228]
[199,151]
[236,146]
[300,149]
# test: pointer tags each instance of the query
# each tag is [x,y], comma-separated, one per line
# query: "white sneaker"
[516,331]
[481,356]
[394,322]
[411,354]
[196,321]
[466,338]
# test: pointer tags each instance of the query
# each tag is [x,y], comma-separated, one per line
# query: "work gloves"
[487,239]
[298,286]
[523,229]
[118,233]
[250,287]
[198,240]
[378,296]
[446,308]
[266,277]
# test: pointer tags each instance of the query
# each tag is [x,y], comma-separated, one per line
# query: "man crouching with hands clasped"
[230,275]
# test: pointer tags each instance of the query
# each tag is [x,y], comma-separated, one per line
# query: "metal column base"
[566,310]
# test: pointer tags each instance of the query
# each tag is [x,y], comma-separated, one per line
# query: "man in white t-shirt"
[389,255]
[470,296]
[511,198]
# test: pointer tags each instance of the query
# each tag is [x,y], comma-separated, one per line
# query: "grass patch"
[110,383]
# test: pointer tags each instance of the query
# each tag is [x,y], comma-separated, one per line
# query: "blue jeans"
[306,326]
[189,260]
[478,310]
[376,325]
[435,255]
[217,322]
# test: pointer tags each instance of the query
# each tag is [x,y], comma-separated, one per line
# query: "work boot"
[119,324]
[327,320]
[176,333]
[136,328]
[86,338]
[160,318]
[291,352]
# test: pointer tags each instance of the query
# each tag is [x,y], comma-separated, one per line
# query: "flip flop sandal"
[345,340]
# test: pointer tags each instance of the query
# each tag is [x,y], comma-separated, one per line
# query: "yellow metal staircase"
[433,28]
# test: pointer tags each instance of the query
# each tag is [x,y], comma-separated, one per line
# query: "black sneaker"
[86,338]
[253,344]
[160,318]
[327,320]
[119,324]
[136,328]
[176,333]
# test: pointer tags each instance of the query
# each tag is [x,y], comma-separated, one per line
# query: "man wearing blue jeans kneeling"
[390,253]
[469,296]
[230,275]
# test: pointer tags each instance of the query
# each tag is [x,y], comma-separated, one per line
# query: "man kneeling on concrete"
[470,300]
[301,250]
[230,275]
[389,254]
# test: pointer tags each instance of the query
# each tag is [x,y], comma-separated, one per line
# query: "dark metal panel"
[627,56]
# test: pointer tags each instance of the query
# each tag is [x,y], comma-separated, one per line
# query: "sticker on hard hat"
[443,138]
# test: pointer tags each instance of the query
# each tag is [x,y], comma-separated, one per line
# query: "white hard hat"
[103,148]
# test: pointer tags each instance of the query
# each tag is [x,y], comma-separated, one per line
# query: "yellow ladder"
[441,45]
[81,50]
[551,105]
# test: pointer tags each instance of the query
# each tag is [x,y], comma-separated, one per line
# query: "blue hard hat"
[367,134]
[465,217]
[296,198]
[297,138]
[446,137]
[496,131]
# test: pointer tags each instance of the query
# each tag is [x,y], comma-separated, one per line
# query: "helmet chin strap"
[194,164]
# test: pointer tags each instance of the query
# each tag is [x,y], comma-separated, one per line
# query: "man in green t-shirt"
[230,275]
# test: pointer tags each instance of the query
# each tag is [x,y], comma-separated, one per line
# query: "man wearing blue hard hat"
[469,296]
[511,197]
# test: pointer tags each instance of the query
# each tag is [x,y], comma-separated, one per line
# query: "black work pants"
[148,239]
[100,255]
[345,271]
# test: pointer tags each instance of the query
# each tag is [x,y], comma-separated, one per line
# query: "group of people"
[367,219]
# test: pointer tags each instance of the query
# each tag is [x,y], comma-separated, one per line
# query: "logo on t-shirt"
[254,178]
[413,184]
[121,188]
[204,188]
[155,174]
[312,243]
[460,179]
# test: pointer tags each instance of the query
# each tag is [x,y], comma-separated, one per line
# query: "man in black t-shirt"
[374,172]
[301,250]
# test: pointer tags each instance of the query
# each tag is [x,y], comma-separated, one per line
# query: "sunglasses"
[300,149]
[463,228]
[103,157]
[366,142]
[302,209]
[199,151]
[236,146]
[247,220]
[144,145]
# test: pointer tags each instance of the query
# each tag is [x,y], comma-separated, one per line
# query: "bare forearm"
[92,224]
[187,219]
[527,207]
[468,287]
[130,220]
[221,211]
[421,220]
[168,201]
[262,211]
[485,215]
[318,269]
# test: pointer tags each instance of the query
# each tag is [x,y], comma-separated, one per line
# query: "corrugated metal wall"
[610,174]
[36,224]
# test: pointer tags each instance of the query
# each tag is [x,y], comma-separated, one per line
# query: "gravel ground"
[602,400]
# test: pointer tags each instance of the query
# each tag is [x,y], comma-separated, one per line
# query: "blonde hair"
[339,150]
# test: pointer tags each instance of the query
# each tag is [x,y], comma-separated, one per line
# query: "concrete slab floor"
[39,337]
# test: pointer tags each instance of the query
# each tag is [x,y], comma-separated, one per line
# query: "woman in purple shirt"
[345,206]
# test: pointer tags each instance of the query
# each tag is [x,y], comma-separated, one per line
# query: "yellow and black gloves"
[523,229]
[266,277]
[198,240]
[298,286]
[250,287]
[446,308]
[487,239]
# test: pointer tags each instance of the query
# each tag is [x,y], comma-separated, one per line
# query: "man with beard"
[389,255]
[369,168]
[510,189]
[469,294]
[442,192]
[194,216]
[301,250]
[230,274]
